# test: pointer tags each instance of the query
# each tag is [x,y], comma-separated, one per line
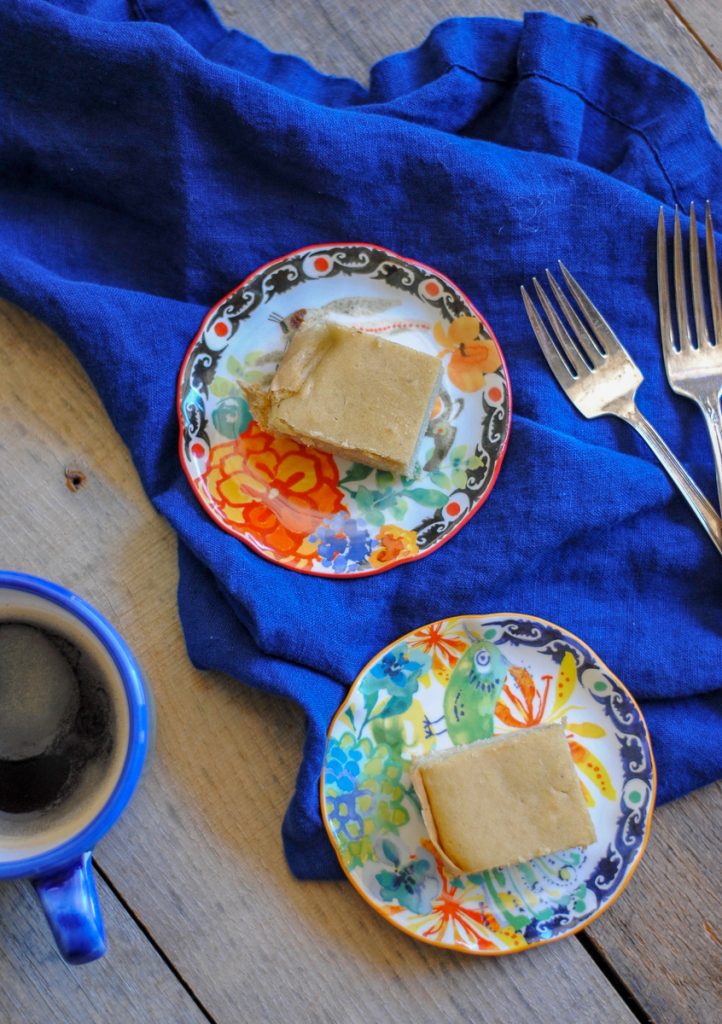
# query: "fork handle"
[695,499]
[710,406]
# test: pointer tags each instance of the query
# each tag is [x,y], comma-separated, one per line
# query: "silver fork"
[695,372]
[601,379]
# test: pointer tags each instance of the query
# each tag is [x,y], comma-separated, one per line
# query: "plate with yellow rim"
[305,509]
[396,711]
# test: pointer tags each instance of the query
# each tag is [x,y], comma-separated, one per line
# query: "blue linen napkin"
[150,159]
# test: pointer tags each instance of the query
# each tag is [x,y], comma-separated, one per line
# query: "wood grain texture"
[703,18]
[131,983]
[664,937]
[198,854]
[346,38]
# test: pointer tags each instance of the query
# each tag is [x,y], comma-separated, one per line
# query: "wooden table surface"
[205,921]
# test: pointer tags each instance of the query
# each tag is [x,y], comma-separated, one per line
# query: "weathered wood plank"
[130,984]
[704,19]
[342,38]
[198,855]
[664,937]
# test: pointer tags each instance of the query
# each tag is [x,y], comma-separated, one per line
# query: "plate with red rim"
[404,704]
[308,510]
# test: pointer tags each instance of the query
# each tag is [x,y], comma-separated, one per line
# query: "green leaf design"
[389,733]
[364,498]
[257,376]
[374,516]
[458,478]
[399,508]
[371,504]
[357,471]
[221,387]
[370,700]
[440,479]
[387,500]
[233,366]
[397,705]
[390,852]
[384,479]
[426,496]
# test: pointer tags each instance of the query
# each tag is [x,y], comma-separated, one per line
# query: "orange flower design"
[473,353]
[525,705]
[275,489]
[393,543]
[470,925]
[443,644]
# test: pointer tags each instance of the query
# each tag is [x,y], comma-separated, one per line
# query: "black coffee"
[56,718]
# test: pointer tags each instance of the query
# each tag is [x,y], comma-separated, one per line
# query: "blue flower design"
[397,674]
[413,884]
[343,766]
[343,542]
[394,665]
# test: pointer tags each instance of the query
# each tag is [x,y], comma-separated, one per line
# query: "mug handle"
[70,901]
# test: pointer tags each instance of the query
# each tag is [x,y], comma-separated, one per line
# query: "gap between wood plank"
[615,980]
[158,949]
[587,944]
[693,32]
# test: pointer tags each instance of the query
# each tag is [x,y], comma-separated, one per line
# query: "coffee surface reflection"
[56,719]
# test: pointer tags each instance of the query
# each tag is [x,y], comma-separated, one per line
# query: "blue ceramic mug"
[52,845]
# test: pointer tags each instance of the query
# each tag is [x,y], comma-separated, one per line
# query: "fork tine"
[565,342]
[588,346]
[713,275]
[700,320]
[546,343]
[680,292]
[665,310]
[601,329]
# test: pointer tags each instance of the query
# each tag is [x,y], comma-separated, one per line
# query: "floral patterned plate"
[396,710]
[303,508]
